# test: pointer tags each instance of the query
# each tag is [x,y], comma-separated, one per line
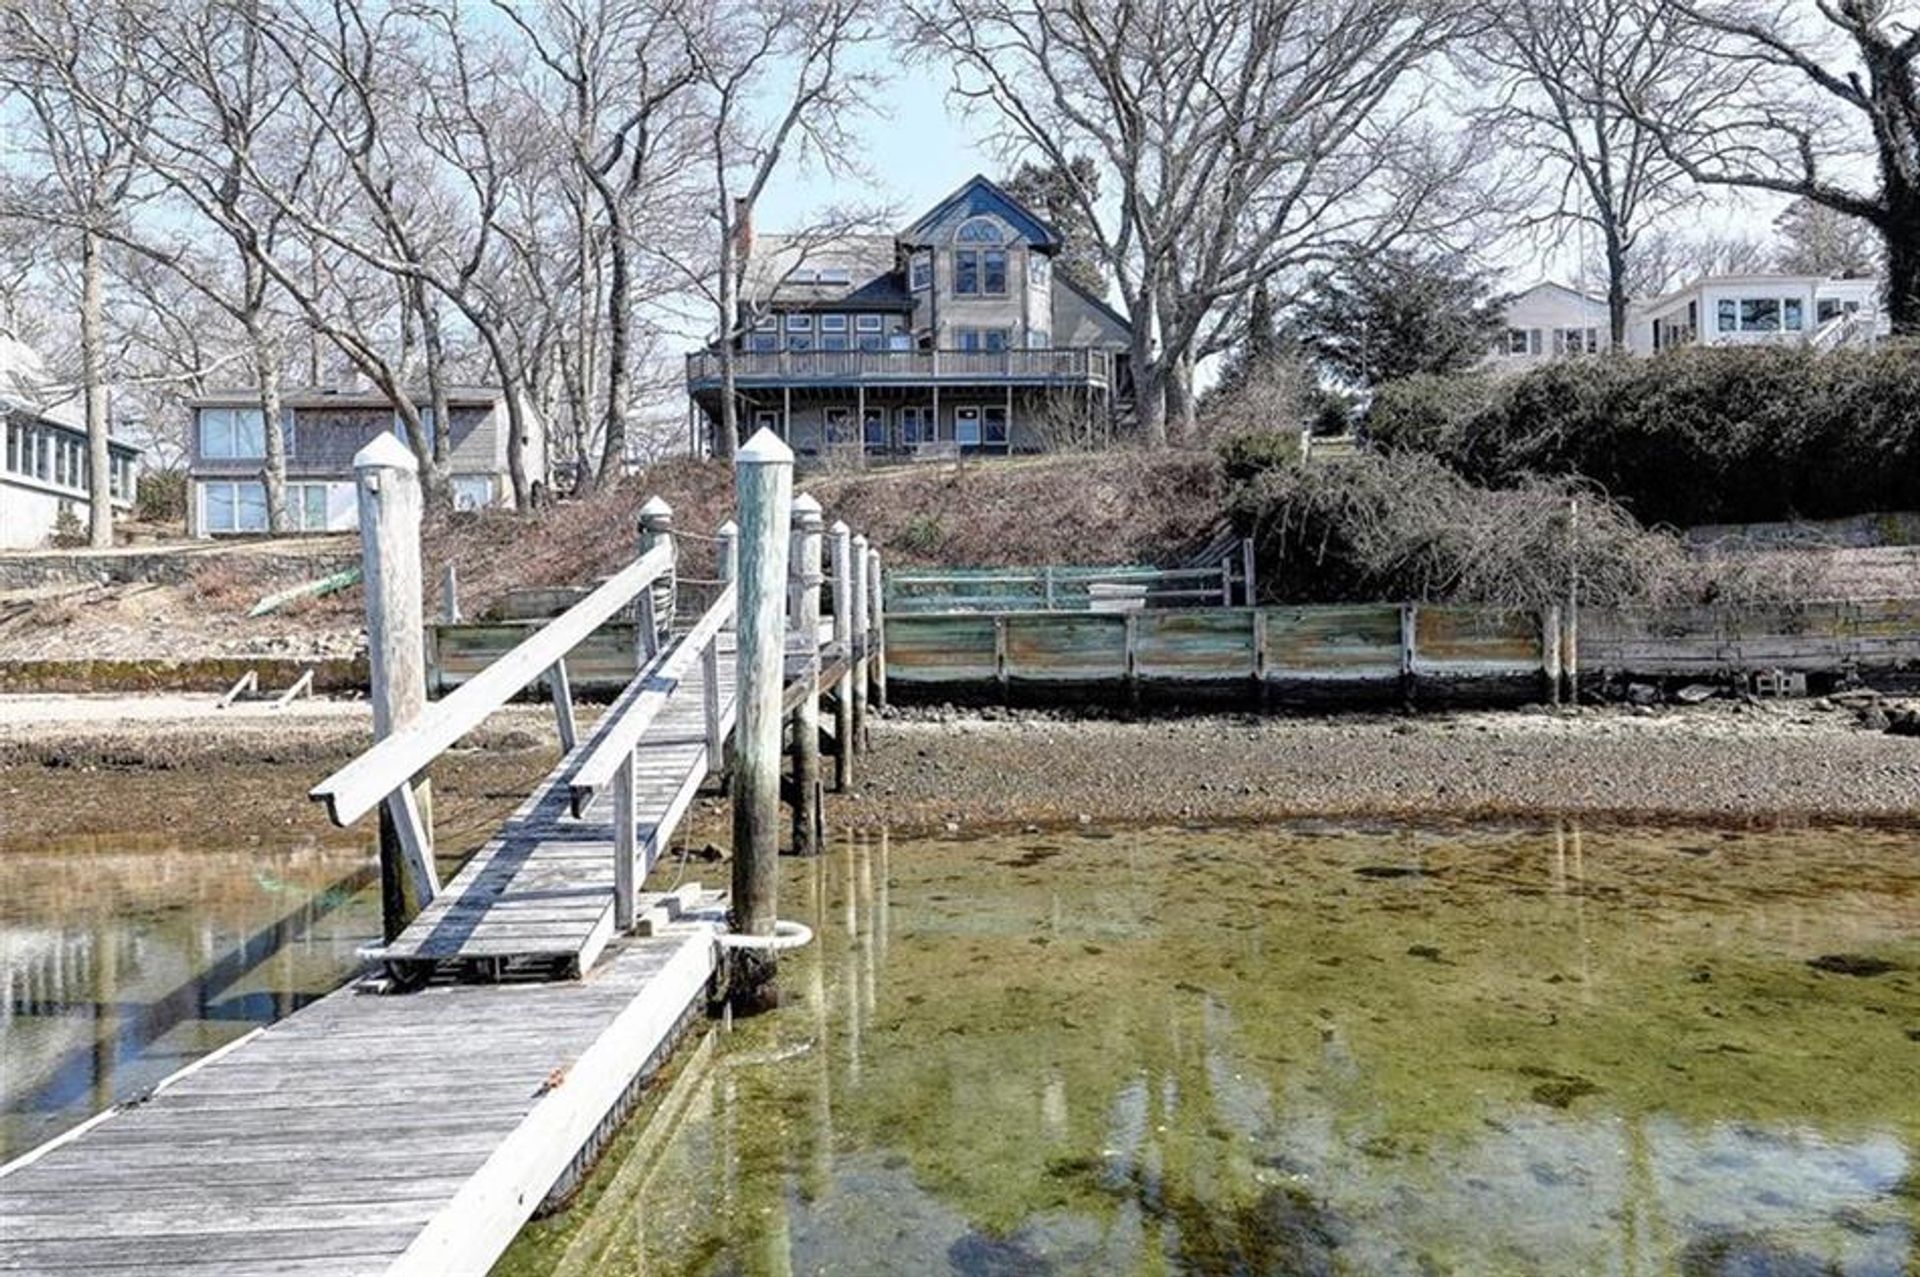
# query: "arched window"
[980,230]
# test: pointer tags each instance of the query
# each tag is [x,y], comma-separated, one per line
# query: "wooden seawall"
[1378,651]
[412,1122]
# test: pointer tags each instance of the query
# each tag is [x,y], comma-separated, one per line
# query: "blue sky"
[917,149]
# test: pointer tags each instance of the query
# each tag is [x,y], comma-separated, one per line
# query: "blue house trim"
[979,195]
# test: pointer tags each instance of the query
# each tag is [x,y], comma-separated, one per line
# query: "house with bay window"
[954,335]
[1550,321]
[44,463]
[322,429]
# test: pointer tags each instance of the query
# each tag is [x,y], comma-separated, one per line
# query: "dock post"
[450,595]
[843,639]
[808,526]
[656,528]
[877,623]
[387,481]
[763,484]
[857,579]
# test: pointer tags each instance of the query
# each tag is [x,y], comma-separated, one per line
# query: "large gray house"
[954,334]
[323,428]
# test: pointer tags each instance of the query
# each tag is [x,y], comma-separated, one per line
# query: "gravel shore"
[1717,762]
[86,766]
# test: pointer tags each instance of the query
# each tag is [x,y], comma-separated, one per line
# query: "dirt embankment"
[181,769]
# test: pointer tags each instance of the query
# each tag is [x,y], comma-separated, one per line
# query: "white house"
[1550,321]
[1759,310]
[44,466]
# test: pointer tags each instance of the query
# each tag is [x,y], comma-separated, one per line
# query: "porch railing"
[1065,365]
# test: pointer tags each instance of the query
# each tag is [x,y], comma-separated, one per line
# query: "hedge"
[1687,437]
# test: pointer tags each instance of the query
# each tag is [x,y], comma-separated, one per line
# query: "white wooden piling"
[858,577]
[450,595]
[841,540]
[655,614]
[763,486]
[387,480]
[877,626]
[808,528]
[726,558]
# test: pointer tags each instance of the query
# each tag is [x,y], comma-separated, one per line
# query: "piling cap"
[806,508]
[728,529]
[764,449]
[655,508]
[839,528]
[386,452]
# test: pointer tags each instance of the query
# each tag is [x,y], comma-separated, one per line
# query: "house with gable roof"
[955,335]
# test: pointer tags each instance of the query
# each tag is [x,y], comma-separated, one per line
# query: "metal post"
[842,542]
[763,484]
[808,829]
[857,581]
[387,480]
[877,624]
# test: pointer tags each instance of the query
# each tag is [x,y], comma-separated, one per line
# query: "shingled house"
[323,428]
[954,335]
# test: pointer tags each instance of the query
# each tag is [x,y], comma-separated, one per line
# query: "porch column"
[786,415]
[935,436]
[860,416]
[1009,416]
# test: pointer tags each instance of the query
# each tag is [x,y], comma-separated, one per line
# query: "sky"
[919,146]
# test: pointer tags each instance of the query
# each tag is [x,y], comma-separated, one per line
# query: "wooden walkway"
[540,892]
[364,1134]
[386,1131]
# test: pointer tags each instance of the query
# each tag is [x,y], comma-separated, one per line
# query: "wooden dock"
[412,1122]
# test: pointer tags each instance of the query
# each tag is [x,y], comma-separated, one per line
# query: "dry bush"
[1121,506]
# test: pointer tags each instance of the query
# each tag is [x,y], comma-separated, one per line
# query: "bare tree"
[628,129]
[1561,72]
[1817,240]
[1234,140]
[1830,80]
[88,176]
[778,84]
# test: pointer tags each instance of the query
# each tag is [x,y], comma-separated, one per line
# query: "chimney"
[742,227]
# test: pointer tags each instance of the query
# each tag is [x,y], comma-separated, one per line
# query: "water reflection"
[122,961]
[1547,1050]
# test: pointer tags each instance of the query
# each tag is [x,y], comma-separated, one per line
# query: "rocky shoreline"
[111,769]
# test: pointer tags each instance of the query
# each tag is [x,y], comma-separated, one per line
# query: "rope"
[698,536]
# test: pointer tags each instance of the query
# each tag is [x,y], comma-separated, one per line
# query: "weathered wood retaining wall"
[1383,650]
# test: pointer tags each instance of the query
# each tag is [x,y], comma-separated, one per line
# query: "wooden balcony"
[1065,366]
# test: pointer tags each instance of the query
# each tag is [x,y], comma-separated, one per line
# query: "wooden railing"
[1072,589]
[384,773]
[1067,364]
[612,759]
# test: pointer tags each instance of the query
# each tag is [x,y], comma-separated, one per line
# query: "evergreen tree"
[1049,192]
[1382,315]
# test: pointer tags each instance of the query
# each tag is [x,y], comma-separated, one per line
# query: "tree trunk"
[1182,420]
[613,443]
[512,386]
[436,353]
[1902,235]
[93,381]
[1617,299]
[726,436]
[266,371]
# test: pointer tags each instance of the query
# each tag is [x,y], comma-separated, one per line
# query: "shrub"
[1246,454]
[1403,526]
[1693,436]
[69,533]
[161,497]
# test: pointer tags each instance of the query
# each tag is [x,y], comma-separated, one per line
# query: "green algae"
[1251,1051]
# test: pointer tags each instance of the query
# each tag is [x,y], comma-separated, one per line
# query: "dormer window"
[921,268]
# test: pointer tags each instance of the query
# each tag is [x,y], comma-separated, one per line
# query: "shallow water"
[1302,1050]
[122,960]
